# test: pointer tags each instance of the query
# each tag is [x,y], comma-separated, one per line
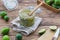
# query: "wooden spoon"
[35,9]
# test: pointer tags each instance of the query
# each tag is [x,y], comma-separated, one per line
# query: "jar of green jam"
[25,19]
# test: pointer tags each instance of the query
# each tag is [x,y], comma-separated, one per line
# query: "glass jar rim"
[26,9]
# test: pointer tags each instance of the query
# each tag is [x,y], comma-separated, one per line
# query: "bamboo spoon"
[35,9]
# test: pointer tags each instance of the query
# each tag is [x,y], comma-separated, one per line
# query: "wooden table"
[49,18]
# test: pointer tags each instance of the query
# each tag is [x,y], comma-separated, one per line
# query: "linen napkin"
[15,24]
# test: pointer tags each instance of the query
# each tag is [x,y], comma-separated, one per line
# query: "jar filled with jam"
[25,19]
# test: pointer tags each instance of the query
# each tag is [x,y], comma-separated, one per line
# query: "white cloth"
[15,24]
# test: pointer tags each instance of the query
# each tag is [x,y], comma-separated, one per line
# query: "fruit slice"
[42,31]
[6,37]
[18,37]
[5,31]
[53,28]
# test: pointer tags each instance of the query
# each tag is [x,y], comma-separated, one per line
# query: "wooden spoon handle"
[35,9]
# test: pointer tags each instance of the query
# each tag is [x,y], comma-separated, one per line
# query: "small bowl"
[48,6]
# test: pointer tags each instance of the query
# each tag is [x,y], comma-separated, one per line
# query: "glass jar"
[25,19]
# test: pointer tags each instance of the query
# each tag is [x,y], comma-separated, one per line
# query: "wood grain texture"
[49,18]
[48,35]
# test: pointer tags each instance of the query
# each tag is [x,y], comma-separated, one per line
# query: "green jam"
[25,19]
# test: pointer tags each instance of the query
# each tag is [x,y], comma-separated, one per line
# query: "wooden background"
[49,18]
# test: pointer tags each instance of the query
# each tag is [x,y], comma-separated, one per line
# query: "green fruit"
[5,31]
[49,2]
[57,2]
[6,37]
[18,37]
[53,28]
[42,31]
[55,6]
[3,13]
[6,18]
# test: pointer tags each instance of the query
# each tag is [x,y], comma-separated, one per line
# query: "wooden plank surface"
[48,35]
[49,18]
